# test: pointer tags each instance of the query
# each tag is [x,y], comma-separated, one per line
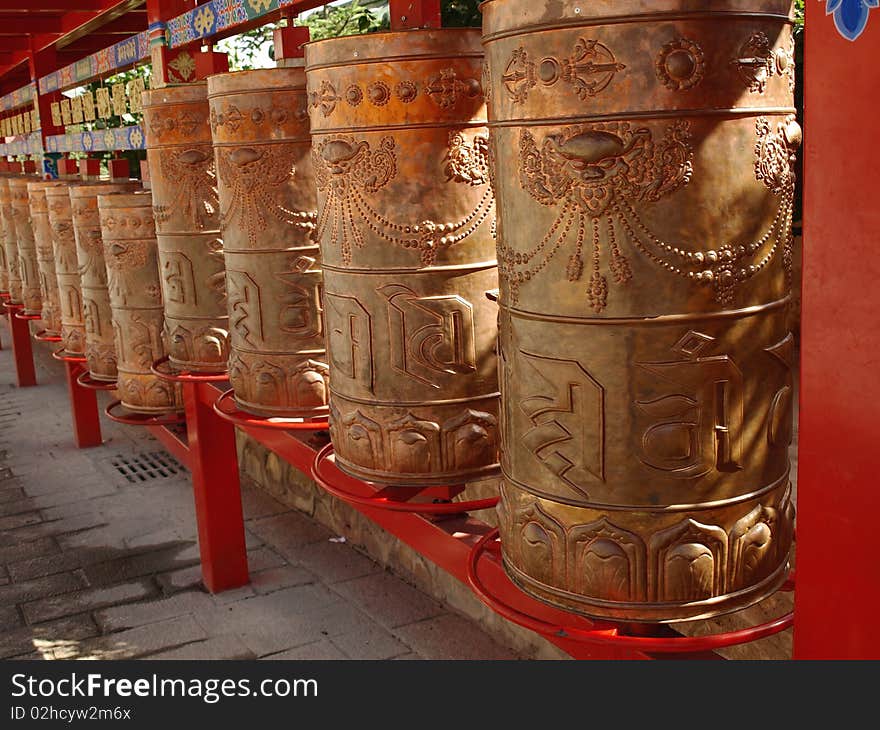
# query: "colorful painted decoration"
[55,108]
[850,16]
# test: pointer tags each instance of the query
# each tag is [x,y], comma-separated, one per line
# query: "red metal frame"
[397,499]
[226,408]
[489,547]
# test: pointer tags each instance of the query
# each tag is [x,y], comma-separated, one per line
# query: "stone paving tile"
[23,551]
[32,590]
[451,637]
[16,507]
[322,649]
[264,558]
[10,618]
[20,520]
[180,580]
[60,562]
[370,642]
[334,562]
[141,641]
[288,531]
[259,504]
[140,614]
[388,599]
[11,494]
[46,636]
[212,649]
[275,579]
[88,600]
[148,563]
[63,527]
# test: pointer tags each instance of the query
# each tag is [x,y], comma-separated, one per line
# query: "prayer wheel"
[73,332]
[131,254]
[4,234]
[31,297]
[100,347]
[645,184]
[266,185]
[51,308]
[186,209]
[406,220]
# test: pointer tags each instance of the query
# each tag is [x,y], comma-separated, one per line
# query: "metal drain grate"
[144,467]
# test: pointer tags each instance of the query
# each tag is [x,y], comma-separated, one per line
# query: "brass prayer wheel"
[31,297]
[10,279]
[100,347]
[186,209]
[51,311]
[131,254]
[73,332]
[406,226]
[266,185]
[644,176]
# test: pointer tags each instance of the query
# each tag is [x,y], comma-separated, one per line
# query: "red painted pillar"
[22,352]
[83,408]
[838,581]
[214,465]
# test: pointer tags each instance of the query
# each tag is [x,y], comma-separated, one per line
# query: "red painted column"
[214,465]
[22,352]
[838,581]
[83,408]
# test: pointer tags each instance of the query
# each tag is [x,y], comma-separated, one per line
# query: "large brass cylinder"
[10,279]
[187,216]
[100,348]
[73,332]
[406,225]
[51,311]
[31,297]
[645,186]
[266,185]
[132,259]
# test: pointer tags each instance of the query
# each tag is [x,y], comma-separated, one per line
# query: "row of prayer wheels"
[327,234]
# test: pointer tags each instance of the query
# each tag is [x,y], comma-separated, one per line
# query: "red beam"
[49,6]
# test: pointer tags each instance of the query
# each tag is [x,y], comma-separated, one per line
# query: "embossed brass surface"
[131,254]
[9,243]
[73,332]
[186,209]
[645,187]
[100,347]
[406,221]
[266,185]
[31,298]
[51,312]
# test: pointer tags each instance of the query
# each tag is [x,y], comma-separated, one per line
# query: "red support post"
[837,577]
[83,409]
[22,352]
[214,465]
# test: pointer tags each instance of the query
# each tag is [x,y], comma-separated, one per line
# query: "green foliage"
[245,49]
[799,14]
[351,19]
[461,14]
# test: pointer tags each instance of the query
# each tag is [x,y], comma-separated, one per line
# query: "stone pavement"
[99,559]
